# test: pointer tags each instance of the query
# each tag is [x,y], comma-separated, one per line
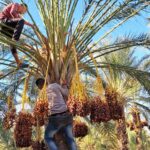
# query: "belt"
[60,113]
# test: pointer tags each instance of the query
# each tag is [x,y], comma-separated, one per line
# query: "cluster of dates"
[23,129]
[9,119]
[40,112]
[115,106]
[80,129]
[80,107]
[99,110]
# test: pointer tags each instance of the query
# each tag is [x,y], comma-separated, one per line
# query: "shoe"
[23,65]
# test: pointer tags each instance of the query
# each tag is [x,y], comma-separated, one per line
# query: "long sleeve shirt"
[56,99]
[11,12]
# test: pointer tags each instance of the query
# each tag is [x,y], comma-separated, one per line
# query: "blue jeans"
[55,124]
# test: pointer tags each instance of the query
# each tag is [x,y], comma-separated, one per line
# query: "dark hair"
[40,81]
[24,4]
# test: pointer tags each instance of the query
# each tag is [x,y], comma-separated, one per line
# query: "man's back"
[10,10]
[56,99]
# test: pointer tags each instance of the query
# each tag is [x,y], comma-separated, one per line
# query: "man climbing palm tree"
[12,25]
[59,118]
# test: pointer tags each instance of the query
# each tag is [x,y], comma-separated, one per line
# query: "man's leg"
[49,136]
[15,54]
[17,32]
[17,27]
[69,137]
[8,30]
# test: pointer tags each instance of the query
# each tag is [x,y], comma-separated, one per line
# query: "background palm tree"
[128,88]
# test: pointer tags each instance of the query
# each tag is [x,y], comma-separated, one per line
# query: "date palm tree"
[65,38]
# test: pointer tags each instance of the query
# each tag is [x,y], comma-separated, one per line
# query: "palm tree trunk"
[122,134]
[60,140]
[139,140]
[138,129]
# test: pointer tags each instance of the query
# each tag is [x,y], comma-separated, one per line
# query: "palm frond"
[119,44]
[139,75]
[145,108]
